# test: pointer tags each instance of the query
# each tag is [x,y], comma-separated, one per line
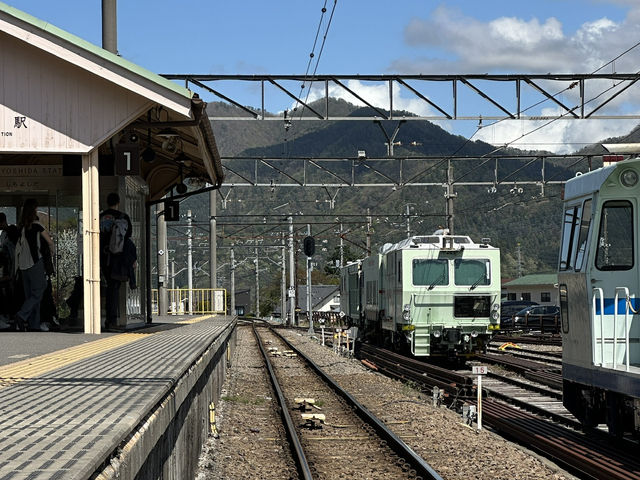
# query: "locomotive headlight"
[466,337]
[474,334]
[406,313]
[629,178]
[436,334]
[495,314]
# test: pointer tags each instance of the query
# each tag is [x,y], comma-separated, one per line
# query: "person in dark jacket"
[107,260]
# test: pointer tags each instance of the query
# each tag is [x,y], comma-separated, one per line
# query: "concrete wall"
[168,443]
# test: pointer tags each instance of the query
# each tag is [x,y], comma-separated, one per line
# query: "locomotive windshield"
[472,272]
[430,272]
[615,238]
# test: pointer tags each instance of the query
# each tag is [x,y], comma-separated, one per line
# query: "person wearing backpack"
[115,229]
[30,265]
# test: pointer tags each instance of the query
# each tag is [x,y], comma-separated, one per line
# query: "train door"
[615,282]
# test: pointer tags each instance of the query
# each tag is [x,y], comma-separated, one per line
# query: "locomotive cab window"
[615,237]
[570,232]
[583,235]
[472,272]
[430,273]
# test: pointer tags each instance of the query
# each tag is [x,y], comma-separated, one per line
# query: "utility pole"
[341,248]
[408,222]
[190,260]
[309,312]
[163,264]
[292,276]
[519,252]
[450,196]
[368,232]
[257,286]
[283,304]
[213,242]
[232,274]
[390,140]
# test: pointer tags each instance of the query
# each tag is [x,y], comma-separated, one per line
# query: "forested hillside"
[523,220]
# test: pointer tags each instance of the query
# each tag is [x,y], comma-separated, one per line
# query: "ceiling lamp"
[167,133]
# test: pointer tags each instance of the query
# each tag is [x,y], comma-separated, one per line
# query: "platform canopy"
[64,96]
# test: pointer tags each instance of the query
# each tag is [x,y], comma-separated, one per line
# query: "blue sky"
[376,37]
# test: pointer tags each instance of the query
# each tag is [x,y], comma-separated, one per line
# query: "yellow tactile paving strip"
[15,372]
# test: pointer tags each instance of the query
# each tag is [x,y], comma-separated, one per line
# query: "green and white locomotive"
[434,295]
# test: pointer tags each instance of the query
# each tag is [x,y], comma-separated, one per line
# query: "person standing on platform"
[30,265]
[115,229]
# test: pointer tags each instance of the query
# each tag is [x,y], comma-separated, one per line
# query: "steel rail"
[527,386]
[395,443]
[575,451]
[301,460]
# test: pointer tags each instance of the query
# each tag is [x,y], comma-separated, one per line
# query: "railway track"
[550,358]
[533,339]
[331,434]
[526,419]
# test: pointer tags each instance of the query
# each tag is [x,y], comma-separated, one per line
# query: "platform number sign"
[127,159]
[171,210]
[479,370]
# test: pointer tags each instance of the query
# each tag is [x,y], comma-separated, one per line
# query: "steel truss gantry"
[391,172]
[577,95]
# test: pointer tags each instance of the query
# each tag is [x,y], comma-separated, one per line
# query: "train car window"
[430,272]
[564,307]
[472,272]
[615,238]
[569,231]
[460,240]
[583,235]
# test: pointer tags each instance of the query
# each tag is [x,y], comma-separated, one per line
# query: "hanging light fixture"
[181,188]
[148,154]
[167,133]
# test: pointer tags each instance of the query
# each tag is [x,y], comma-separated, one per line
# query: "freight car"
[598,282]
[433,295]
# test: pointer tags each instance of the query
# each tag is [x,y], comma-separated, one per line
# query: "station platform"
[115,405]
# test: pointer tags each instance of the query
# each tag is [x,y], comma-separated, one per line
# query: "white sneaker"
[44,327]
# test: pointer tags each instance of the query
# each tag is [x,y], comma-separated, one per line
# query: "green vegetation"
[524,224]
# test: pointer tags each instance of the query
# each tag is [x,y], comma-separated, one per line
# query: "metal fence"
[184,301]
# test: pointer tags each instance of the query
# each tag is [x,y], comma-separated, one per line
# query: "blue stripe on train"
[610,303]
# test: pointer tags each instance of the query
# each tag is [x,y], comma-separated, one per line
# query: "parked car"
[545,318]
[509,308]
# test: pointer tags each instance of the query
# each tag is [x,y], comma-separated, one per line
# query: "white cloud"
[375,94]
[455,43]
[560,136]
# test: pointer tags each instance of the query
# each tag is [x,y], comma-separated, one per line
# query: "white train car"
[433,295]
[599,284]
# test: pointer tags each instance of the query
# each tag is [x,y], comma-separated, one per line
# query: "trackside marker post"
[479,370]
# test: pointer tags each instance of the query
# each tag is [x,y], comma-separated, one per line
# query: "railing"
[598,323]
[184,301]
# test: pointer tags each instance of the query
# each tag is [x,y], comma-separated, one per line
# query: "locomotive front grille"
[472,306]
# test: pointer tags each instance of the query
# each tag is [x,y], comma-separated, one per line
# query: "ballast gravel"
[437,434]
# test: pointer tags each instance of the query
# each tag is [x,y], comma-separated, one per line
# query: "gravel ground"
[455,451]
